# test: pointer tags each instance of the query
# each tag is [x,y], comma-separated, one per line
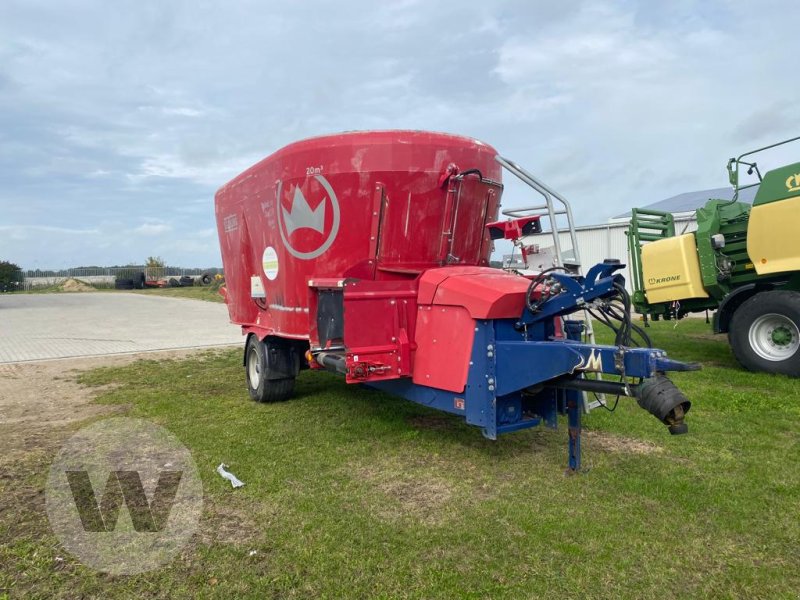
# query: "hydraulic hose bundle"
[611,306]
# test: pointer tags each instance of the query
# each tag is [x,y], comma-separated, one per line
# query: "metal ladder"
[551,211]
[645,226]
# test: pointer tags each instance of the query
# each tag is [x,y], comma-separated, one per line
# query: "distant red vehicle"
[367,254]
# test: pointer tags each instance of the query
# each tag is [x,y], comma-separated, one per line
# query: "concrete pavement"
[47,326]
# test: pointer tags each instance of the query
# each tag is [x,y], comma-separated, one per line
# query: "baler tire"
[764,333]
[261,388]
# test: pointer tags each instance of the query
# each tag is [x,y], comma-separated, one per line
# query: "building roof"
[691,201]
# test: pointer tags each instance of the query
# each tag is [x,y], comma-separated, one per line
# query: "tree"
[155,262]
[11,277]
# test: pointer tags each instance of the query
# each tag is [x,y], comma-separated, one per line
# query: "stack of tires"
[184,281]
[135,282]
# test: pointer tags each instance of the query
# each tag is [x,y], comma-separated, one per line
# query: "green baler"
[742,262]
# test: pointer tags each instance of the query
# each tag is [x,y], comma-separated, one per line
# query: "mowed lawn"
[208,293]
[351,493]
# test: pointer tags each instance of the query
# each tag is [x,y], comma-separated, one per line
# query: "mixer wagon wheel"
[765,333]
[261,387]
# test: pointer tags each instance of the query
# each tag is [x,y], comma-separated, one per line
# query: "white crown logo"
[301,215]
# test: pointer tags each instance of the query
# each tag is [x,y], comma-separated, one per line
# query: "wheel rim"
[253,369]
[774,337]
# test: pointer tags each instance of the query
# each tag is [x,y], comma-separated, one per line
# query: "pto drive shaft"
[657,395]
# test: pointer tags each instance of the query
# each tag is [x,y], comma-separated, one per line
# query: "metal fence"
[106,276]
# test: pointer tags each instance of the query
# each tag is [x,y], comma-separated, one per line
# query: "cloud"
[153,229]
[41,232]
[47,228]
[769,122]
[180,111]
[183,111]
[176,166]
[142,110]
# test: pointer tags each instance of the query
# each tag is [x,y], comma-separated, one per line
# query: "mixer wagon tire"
[261,388]
[764,333]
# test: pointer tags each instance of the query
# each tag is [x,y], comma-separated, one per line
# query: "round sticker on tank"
[269,261]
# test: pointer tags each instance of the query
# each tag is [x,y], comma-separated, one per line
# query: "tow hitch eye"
[662,399]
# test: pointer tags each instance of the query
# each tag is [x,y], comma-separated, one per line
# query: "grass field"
[208,293]
[351,493]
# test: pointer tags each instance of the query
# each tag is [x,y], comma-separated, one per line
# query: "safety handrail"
[733,167]
[548,194]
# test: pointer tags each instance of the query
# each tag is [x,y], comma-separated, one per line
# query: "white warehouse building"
[608,240]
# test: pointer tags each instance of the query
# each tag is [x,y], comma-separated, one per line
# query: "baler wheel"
[764,333]
[260,386]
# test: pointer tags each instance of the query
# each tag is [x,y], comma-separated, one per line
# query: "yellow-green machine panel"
[773,234]
[671,269]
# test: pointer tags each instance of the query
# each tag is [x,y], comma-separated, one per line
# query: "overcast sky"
[119,120]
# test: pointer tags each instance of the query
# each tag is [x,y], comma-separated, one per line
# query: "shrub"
[11,277]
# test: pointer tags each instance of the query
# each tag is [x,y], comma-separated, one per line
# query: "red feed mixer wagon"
[367,254]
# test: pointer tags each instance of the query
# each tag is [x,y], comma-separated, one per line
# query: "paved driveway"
[45,326]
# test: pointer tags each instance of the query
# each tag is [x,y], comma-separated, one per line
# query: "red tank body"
[375,206]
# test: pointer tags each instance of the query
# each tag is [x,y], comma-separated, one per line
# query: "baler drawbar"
[366,254]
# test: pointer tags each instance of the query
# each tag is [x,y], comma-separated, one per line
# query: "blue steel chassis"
[516,364]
